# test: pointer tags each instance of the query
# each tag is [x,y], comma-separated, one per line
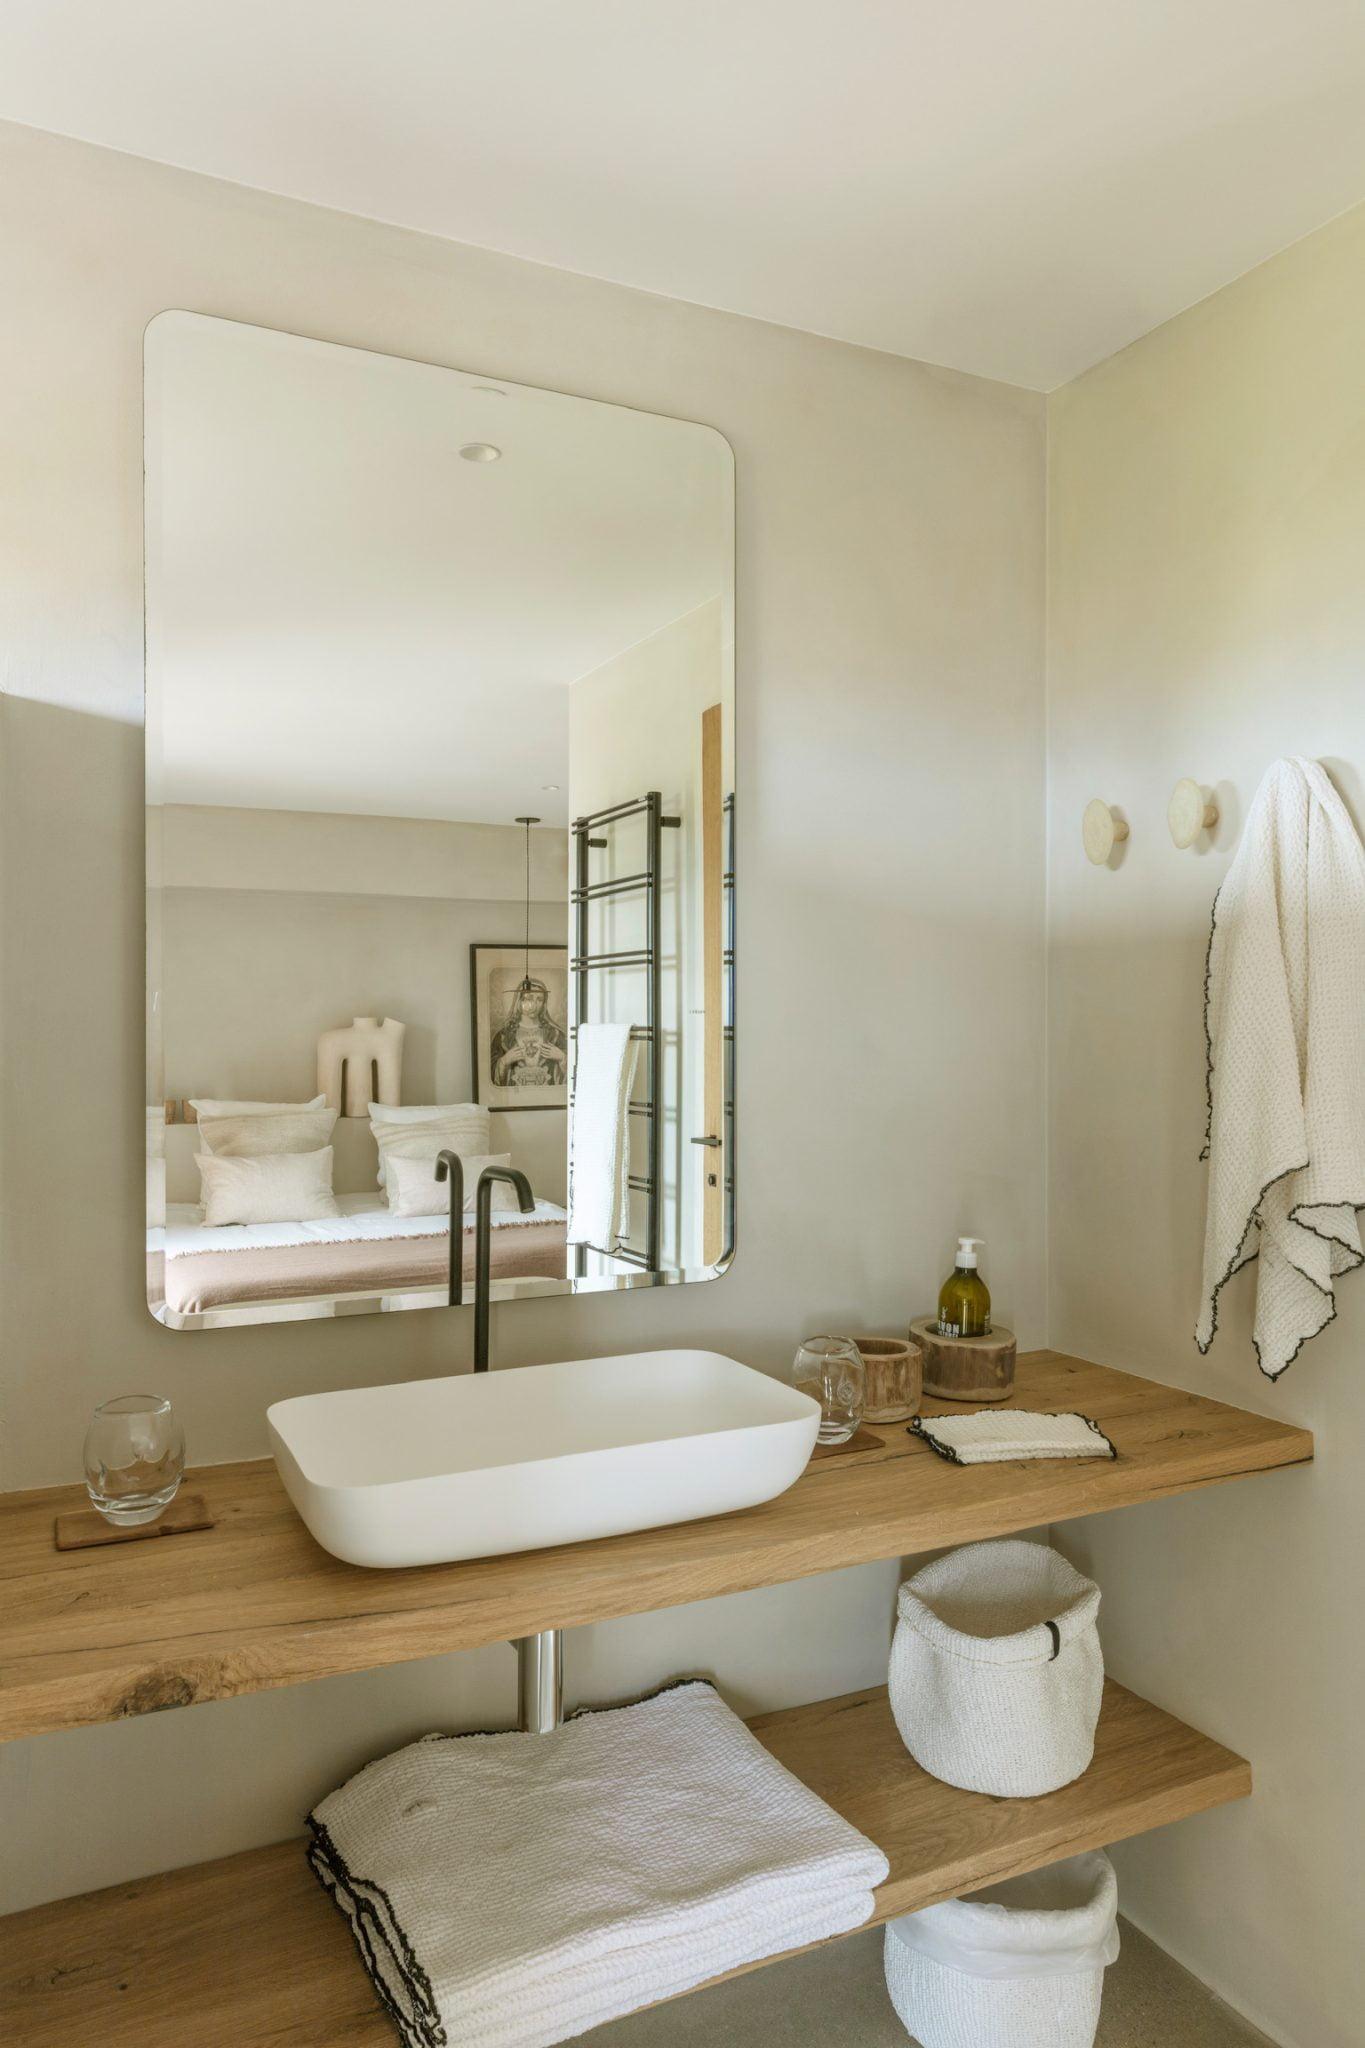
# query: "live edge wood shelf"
[248,1951]
[253,1602]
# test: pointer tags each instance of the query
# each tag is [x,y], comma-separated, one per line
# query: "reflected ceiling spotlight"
[481,451]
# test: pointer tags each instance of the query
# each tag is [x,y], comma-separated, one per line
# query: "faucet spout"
[483,1246]
[450,1166]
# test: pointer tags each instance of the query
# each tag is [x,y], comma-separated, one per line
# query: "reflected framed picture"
[519,1026]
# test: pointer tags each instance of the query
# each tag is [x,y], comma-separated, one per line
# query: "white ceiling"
[1014,189]
[345,615]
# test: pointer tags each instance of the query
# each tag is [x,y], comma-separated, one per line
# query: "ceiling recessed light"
[481,451]
[547,786]
[489,390]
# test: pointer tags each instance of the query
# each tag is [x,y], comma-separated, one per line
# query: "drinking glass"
[831,1370]
[134,1458]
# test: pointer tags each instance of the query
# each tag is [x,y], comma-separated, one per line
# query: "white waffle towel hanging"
[1284,1013]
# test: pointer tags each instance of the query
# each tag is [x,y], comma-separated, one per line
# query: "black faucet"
[449,1165]
[483,1246]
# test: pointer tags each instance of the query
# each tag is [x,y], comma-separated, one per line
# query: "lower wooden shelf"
[247,1951]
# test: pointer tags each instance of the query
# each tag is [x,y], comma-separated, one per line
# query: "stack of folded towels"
[511,1891]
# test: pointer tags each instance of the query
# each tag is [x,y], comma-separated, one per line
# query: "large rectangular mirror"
[440,817]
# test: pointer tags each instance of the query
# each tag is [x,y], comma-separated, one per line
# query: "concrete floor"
[836,1995]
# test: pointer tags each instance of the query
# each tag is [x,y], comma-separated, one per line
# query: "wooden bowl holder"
[965,1368]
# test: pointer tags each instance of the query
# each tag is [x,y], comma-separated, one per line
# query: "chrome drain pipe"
[540,1681]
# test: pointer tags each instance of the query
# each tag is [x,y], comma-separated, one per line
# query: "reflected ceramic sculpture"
[360,1063]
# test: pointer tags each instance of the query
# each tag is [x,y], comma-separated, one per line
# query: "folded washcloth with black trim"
[510,1891]
[998,1434]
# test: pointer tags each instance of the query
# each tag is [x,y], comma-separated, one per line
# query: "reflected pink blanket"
[198,1281]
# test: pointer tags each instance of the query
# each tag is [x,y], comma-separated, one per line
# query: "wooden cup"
[895,1374]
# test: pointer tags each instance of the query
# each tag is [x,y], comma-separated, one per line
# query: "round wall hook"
[1190,812]
[1101,831]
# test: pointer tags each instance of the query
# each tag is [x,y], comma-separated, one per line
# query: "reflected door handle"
[707,1141]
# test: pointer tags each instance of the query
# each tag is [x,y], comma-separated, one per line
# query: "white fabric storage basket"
[1020,1965]
[996,1671]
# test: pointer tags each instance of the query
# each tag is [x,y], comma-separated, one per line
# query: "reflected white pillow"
[271,1187]
[207,1105]
[464,1130]
[422,1112]
[415,1191]
[247,1137]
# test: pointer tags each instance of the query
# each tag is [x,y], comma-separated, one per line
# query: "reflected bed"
[196,1273]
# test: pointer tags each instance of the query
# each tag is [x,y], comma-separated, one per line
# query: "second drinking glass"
[831,1370]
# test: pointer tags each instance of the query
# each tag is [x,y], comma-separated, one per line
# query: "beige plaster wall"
[889,604]
[1207,615]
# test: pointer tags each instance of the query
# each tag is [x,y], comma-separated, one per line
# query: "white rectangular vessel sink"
[486,1463]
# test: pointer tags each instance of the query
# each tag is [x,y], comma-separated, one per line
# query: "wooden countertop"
[249,1950]
[104,1635]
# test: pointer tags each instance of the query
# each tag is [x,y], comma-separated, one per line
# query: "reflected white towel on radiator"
[511,1891]
[599,1140]
[1285,1020]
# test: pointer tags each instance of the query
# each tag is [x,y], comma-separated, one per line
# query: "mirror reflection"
[440,833]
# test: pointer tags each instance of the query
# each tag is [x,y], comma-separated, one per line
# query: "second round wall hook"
[1190,812]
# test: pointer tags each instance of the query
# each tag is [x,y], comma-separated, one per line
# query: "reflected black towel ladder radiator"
[590,834]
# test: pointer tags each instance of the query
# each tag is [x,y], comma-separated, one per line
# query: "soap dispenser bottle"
[964,1306]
